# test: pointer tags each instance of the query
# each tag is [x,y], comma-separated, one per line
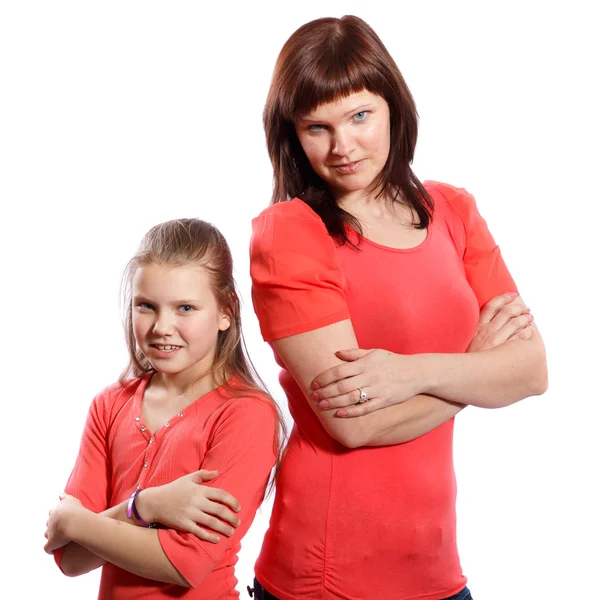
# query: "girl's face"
[347,142]
[176,318]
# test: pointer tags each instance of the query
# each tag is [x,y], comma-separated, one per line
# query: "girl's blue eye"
[145,306]
[186,308]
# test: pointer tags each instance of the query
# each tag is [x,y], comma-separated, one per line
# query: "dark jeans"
[259,593]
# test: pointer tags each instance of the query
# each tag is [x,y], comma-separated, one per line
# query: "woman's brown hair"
[192,241]
[322,61]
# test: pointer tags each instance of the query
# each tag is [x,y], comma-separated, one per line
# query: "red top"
[233,434]
[371,522]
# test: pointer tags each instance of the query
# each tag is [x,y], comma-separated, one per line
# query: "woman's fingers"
[507,313]
[489,310]
[523,334]
[359,410]
[515,325]
[343,371]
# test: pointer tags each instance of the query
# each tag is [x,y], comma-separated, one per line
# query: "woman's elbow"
[71,568]
[540,380]
[350,437]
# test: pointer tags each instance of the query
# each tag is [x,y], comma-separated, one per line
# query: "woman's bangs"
[326,83]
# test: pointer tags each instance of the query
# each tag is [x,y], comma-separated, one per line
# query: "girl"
[191,417]
[368,285]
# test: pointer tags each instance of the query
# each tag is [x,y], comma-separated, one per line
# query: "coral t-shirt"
[232,432]
[380,523]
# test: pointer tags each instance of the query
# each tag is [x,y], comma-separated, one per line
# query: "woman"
[368,285]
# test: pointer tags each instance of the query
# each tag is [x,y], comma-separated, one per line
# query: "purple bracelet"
[132,510]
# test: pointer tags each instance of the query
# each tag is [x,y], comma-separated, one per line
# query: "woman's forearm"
[407,421]
[489,379]
[134,549]
[401,423]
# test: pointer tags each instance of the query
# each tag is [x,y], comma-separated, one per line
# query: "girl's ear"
[225,322]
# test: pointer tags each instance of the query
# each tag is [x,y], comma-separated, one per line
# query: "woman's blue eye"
[361,116]
[316,128]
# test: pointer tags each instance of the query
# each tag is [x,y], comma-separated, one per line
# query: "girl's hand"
[185,504]
[387,378]
[56,524]
[504,318]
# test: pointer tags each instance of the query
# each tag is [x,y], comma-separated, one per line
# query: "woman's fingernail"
[323,404]
[341,413]
[315,385]
[316,396]
[512,294]
[531,317]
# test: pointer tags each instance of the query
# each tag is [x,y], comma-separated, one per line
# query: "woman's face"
[347,141]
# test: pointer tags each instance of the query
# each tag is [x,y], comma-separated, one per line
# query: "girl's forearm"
[78,560]
[491,378]
[134,549]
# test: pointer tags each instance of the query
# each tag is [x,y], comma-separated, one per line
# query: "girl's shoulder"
[110,400]
[246,408]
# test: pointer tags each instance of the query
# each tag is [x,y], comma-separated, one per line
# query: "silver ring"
[363,397]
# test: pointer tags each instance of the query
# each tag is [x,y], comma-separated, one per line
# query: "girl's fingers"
[219,511]
[202,475]
[202,534]
[214,524]
[223,498]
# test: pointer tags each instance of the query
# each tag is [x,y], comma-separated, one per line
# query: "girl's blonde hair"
[192,241]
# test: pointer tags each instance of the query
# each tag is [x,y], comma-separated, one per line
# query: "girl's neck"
[191,384]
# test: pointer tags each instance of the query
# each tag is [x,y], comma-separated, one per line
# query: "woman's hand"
[504,318]
[56,524]
[185,504]
[387,378]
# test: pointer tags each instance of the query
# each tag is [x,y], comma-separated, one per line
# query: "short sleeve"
[485,269]
[297,282]
[243,450]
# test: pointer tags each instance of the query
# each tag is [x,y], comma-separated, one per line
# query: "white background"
[118,115]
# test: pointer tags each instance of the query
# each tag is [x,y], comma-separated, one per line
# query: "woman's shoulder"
[289,226]
[450,200]
[288,209]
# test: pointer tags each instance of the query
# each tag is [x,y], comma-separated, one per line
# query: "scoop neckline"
[363,239]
